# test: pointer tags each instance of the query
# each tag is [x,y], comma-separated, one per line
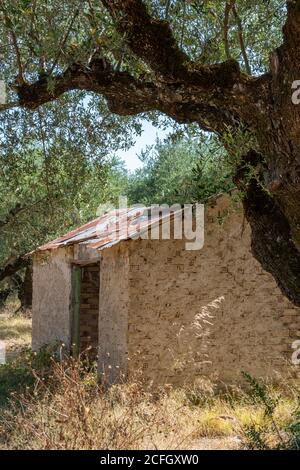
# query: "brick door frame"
[85,302]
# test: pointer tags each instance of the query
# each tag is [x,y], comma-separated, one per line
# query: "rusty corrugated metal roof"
[111,228]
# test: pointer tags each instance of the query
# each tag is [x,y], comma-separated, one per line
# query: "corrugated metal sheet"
[111,228]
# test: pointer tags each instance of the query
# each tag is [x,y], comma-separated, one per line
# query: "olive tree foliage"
[56,166]
[180,170]
[226,66]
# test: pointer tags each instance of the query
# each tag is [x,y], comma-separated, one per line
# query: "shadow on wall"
[196,340]
[184,351]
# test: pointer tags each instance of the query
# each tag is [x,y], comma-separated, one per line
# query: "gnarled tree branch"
[152,41]
[292,25]
[98,76]
[12,266]
[222,85]
[211,95]
[127,95]
[11,215]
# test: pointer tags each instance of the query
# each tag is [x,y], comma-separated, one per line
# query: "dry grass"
[15,329]
[67,409]
[60,405]
[70,410]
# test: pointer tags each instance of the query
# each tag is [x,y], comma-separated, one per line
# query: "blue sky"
[148,137]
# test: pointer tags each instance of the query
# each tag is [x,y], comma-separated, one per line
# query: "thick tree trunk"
[24,286]
[3,296]
[12,266]
[25,292]
[272,242]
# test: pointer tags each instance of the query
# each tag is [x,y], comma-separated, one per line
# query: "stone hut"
[150,306]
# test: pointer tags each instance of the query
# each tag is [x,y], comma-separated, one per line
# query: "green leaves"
[260,436]
[186,170]
[57,191]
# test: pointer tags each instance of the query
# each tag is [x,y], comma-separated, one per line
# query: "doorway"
[85,331]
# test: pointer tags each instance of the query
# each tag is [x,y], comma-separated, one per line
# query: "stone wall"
[212,312]
[113,313]
[51,303]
